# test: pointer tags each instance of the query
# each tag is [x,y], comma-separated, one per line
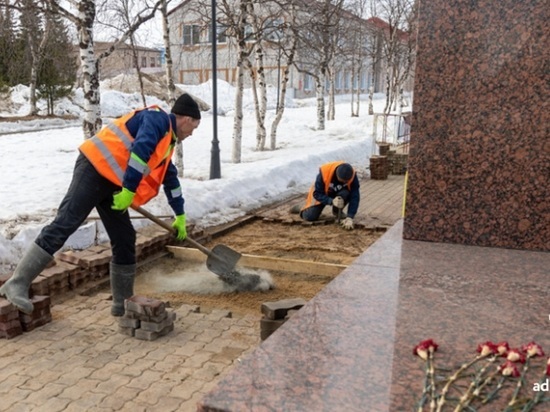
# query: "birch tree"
[244,52]
[82,13]
[286,44]
[317,36]
[398,46]
[38,28]
[170,84]
[358,45]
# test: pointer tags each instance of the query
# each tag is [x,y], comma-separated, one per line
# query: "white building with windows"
[191,48]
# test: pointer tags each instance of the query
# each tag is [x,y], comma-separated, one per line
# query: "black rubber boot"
[16,289]
[122,286]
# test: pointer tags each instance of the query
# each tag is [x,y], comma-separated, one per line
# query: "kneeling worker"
[336,185]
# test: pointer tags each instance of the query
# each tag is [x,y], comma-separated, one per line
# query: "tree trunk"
[178,158]
[320,95]
[282,97]
[331,114]
[261,130]
[238,120]
[138,71]
[91,122]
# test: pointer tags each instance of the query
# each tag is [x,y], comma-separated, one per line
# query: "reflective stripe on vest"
[109,151]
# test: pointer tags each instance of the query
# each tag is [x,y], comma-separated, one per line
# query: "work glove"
[123,199]
[338,202]
[179,225]
[347,223]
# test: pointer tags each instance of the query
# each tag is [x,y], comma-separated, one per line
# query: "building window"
[338,81]
[144,62]
[153,61]
[222,36]
[273,29]
[191,35]
[308,83]
[248,32]
[364,80]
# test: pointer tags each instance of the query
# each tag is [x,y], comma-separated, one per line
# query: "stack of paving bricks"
[151,242]
[146,318]
[69,271]
[383,149]
[10,325]
[40,315]
[277,313]
[92,264]
[379,167]
[13,322]
[398,163]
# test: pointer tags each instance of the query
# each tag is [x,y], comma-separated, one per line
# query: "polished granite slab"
[479,159]
[350,348]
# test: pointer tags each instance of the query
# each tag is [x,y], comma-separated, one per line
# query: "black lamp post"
[215,169]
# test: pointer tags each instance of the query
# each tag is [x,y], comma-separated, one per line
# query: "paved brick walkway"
[80,361]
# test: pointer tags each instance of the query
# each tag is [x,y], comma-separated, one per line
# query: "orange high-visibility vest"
[327,172]
[109,153]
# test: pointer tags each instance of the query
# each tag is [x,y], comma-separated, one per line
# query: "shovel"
[221,259]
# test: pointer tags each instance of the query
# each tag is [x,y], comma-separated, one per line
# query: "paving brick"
[13,397]
[279,309]
[127,331]
[125,322]
[154,393]
[268,326]
[169,404]
[11,332]
[186,389]
[208,335]
[86,403]
[159,326]
[35,323]
[6,307]
[218,314]
[112,384]
[150,336]
[145,306]
[145,380]
[79,389]
[116,401]
[41,396]
[13,315]
[209,371]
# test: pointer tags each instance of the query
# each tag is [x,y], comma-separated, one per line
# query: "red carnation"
[532,350]
[425,347]
[487,348]
[509,369]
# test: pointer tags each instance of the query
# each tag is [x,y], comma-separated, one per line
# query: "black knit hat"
[186,106]
[344,172]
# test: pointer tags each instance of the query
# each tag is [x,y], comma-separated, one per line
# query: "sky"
[39,156]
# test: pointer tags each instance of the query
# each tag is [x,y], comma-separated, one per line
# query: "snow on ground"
[37,165]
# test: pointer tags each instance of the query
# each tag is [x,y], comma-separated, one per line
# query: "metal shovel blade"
[222,260]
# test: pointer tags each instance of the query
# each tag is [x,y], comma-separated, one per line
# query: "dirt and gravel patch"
[323,243]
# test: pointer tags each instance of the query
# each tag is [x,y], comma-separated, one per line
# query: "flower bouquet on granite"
[517,378]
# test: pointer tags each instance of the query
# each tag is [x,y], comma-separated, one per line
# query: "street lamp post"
[215,169]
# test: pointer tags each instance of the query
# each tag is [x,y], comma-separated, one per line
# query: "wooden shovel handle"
[169,227]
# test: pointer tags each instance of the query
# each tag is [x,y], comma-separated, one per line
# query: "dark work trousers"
[313,213]
[88,189]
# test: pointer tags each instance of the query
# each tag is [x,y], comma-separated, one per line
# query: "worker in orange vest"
[336,185]
[124,164]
